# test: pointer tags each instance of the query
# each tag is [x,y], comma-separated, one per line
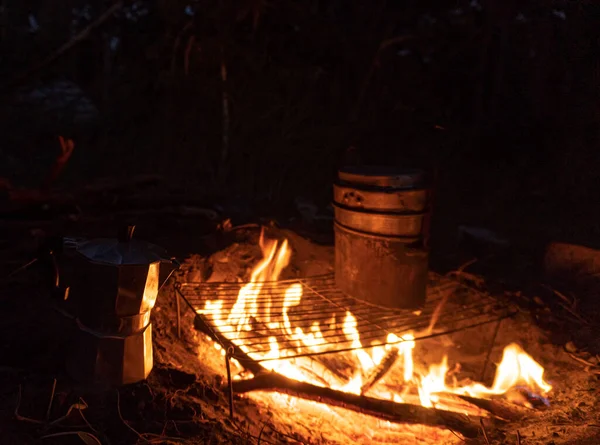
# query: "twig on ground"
[568,305]
[558,294]
[518,438]
[485,436]
[589,365]
[573,313]
[270,426]
[157,438]
[19,270]
[478,281]
[20,417]
[83,403]
[124,421]
[462,268]
[79,406]
[164,429]
[51,400]
[285,435]
[162,440]
[88,438]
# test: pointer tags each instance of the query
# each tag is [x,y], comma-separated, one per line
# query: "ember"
[387,370]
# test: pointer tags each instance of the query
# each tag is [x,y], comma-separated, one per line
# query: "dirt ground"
[569,418]
[182,401]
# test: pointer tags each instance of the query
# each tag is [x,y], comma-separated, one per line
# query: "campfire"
[304,338]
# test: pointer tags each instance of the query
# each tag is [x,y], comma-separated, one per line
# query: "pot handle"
[175,265]
[47,253]
[126,233]
[58,292]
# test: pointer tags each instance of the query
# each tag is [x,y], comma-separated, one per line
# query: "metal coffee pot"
[109,287]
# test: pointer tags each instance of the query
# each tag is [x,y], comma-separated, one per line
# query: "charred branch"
[382,409]
[499,408]
[381,370]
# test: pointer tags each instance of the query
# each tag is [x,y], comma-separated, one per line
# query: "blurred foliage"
[501,96]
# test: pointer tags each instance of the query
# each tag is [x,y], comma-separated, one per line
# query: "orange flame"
[516,367]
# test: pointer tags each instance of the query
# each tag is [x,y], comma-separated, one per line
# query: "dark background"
[500,98]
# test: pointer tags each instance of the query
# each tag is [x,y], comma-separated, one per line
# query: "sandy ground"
[182,401]
[571,417]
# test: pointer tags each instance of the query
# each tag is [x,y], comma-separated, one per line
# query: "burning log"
[382,409]
[381,370]
[500,409]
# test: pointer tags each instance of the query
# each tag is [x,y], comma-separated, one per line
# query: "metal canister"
[381,232]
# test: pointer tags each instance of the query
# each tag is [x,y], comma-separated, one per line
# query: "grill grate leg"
[177,297]
[489,352]
[229,380]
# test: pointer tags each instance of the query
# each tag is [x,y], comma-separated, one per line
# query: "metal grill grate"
[448,309]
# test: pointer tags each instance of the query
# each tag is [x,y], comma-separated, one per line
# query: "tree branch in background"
[61,50]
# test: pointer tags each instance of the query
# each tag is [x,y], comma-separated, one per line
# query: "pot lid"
[119,251]
[381,176]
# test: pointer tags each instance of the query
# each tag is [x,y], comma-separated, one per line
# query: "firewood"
[381,370]
[500,409]
[383,409]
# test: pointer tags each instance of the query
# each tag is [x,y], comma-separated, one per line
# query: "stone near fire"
[571,263]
